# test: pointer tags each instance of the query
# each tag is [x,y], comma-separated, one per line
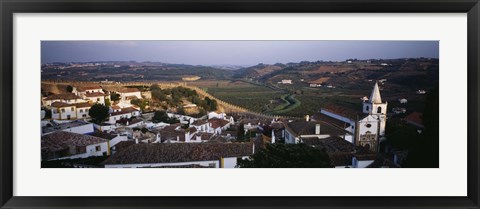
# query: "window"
[379,110]
[98,99]
[98,148]
[81,110]
[366,108]
[73,109]
[84,115]
[63,110]
[368,125]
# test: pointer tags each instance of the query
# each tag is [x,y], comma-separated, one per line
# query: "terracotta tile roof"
[83,105]
[340,151]
[333,121]
[61,104]
[199,122]
[308,128]
[95,94]
[415,118]
[103,135]
[116,107]
[204,136]
[346,112]
[128,90]
[62,140]
[217,122]
[67,96]
[178,152]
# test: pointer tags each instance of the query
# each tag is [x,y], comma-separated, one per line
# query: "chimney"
[317,129]
[307,118]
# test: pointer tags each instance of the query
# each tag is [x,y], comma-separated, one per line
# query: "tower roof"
[375,97]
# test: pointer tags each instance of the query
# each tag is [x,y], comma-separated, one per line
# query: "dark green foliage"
[287,156]
[99,113]
[162,116]
[69,89]
[174,96]
[425,154]
[240,132]
[48,113]
[142,103]
[115,97]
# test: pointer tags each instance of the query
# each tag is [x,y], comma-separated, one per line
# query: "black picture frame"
[9,7]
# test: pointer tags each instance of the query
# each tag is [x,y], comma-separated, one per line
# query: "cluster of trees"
[142,103]
[287,156]
[173,97]
[162,116]
[99,113]
[423,149]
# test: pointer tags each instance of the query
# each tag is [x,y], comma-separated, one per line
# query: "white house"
[67,145]
[123,113]
[96,97]
[113,139]
[172,155]
[63,98]
[82,91]
[202,126]
[296,132]
[285,82]
[129,94]
[218,125]
[63,111]
[403,101]
[77,126]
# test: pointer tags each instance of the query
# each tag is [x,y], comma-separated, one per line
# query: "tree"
[115,97]
[425,154]
[287,156]
[69,89]
[240,132]
[162,116]
[142,103]
[99,113]
[48,113]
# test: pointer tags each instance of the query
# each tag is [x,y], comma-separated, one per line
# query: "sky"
[233,52]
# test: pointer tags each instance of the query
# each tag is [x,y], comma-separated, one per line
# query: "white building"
[77,126]
[368,127]
[296,132]
[129,94]
[123,113]
[63,98]
[66,145]
[403,101]
[286,82]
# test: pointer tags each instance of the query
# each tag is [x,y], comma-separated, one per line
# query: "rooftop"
[218,123]
[62,126]
[308,128]
[103,135]
[67,96]
[178,152]
[333,121]
[346,112]
[124,111]
[62,104]
[83,105]
[62,140]
[95,94]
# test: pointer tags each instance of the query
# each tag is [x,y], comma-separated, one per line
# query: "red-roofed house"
[218,125]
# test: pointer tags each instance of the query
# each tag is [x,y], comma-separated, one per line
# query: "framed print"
[349,104]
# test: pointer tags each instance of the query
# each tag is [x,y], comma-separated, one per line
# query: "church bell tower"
[376,108]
